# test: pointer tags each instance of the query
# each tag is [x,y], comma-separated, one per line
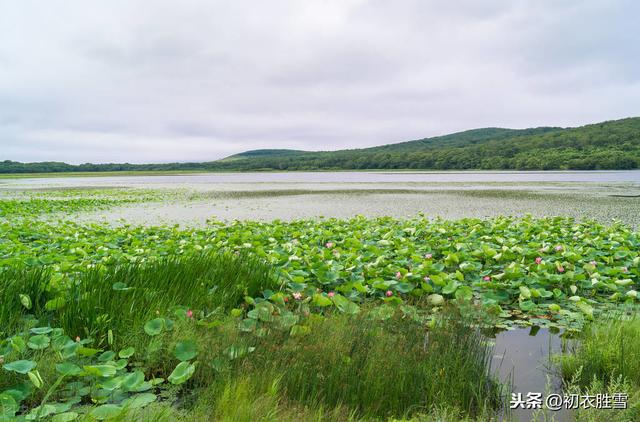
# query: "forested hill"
[606,145]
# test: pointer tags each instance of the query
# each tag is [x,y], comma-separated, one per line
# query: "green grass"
[22,291]
[380,368]
[127,295]
[606,350]
[605,359]
[342,367]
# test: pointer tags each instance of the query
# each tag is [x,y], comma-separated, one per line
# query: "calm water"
[630,176]
[599,195]
[523,356]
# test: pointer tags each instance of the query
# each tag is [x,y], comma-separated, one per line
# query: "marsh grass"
[612,386]
[607,350]
[129,295]
[22,291]
[378,369]
[123,297]
[345,368]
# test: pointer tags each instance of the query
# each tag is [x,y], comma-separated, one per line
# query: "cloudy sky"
[189,80]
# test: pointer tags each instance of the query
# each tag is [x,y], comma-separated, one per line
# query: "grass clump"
[605,361]
[606,350]
[378,369]
[129,295]
[21,291]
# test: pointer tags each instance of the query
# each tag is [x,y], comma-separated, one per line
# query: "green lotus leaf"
[106,411]
[68,369]
[321,300]
[39,342]
[106,356]
[20,366]
[65,417]
[154,327]
[435,299]
[186,350]
[182,373]
[100,370]
[139,401]
[127,352]
[133,381]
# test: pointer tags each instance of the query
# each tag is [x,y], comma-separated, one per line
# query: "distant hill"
[261,153]
[607,145]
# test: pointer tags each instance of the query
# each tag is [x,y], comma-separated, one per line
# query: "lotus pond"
[292,319]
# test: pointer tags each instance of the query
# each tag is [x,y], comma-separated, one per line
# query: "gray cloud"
[159,81]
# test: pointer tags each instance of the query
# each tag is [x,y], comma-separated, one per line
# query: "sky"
[189,80]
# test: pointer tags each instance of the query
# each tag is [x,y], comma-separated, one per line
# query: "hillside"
[263,153]
[607,145]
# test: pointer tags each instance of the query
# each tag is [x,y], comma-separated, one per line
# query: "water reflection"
[523,357]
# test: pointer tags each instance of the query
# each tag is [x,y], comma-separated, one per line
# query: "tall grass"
[607,350]
[611,387]
[22,291]
[377,369]
[126,296]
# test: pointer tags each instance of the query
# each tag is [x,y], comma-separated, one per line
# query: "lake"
[601,195]
[616,176]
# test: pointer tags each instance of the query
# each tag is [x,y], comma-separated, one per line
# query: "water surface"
[601,195]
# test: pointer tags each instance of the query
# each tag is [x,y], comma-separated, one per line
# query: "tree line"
[613,145]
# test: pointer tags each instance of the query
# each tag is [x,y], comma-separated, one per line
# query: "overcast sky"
[188,80]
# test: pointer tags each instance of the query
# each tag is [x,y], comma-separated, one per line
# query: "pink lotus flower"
[331,294]
[560,269]
[486,278]
[427,278]
[389,293]
[398,275]
[329,244]
[593,263]
[538,260]
[559,248]
[297,295]
[625,269]
[428,256]
[189,313]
